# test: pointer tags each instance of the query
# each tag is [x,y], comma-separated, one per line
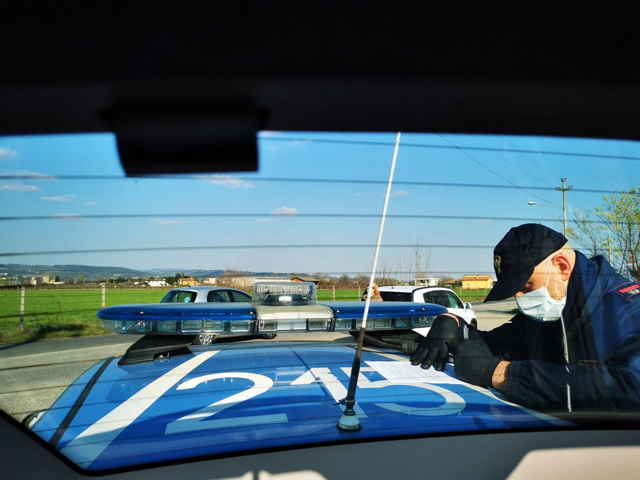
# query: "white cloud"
[27,174]
[67,216]
[20,187]
[227,181]
[262,220]
[91,204]
[7,154]
[285,211]
[60,198]
[162,221]
[400,193]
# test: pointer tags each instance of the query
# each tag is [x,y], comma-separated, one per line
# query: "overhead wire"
[513,164]
[222,247]
[446,147]
[497,174]
[353,181]
[185,215]
[544,169]
[314,180]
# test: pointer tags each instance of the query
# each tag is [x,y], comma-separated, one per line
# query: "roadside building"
[210,280]
[475,282]
[426,281]
[188,281]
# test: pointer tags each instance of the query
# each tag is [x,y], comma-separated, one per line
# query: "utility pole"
[564,191]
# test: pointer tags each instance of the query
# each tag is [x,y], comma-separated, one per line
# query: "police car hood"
[242,398]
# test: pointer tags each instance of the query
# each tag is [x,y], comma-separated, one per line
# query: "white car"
[438,295]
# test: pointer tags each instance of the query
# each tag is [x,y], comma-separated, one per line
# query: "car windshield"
[179,296]
[396,296]
[80,238]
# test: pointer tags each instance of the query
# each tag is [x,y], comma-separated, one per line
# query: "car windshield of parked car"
[179,296]
[396,296]
[80,239]
[239,296]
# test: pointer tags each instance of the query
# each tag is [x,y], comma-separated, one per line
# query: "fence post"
[104,295]
[22,290]
[358,292]
[334,293]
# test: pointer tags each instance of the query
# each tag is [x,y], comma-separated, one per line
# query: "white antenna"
[349,421]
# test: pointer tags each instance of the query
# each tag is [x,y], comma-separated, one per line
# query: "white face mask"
[539,304]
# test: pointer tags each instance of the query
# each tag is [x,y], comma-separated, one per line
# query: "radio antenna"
[349,421]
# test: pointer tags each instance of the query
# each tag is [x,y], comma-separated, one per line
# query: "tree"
[588,232]
[612,230]
[57,278]
[80,278]
[344,279]
[421,258]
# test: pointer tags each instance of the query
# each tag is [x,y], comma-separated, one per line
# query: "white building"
[426,281]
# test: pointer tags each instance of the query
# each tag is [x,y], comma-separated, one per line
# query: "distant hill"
[69,271]
[97,273]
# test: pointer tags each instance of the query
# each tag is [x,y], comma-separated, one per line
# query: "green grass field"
[61,313]
[341,295]
[72,313]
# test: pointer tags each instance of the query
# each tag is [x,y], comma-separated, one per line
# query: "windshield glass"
[396,296]
[544,228]
[179,296]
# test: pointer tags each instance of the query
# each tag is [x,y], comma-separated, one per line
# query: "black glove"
[443,338]
[475,364]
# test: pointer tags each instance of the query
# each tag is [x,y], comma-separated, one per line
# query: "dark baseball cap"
[517,255]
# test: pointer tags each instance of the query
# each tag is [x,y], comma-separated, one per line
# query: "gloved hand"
[475,364]
[443,338]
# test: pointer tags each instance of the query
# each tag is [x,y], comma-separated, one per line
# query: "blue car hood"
[247,397]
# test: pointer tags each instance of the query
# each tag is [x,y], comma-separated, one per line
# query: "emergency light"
[278,307]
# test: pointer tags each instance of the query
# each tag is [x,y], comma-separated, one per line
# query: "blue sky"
[353,157]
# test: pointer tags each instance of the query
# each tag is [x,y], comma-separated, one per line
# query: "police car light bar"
[278,307]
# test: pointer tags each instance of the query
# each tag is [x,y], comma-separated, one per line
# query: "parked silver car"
[206,294]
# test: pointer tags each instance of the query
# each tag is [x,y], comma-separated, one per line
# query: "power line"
[4,176]
[543,169]
[496,174]
[126,216]
[321,180]
[223,247]
[445,147]
[513,164]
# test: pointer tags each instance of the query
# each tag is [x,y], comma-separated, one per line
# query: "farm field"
[61,313]
[72,313]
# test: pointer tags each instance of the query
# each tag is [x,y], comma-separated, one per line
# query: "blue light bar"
[168,318]
[235,318]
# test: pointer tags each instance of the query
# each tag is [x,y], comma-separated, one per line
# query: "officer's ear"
[562,262]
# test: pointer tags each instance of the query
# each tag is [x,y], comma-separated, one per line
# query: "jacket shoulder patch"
[630,291]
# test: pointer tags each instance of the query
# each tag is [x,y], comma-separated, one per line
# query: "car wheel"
[474,322]
[269,336]
[204,339]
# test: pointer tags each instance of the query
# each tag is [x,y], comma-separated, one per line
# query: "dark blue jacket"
[602,323]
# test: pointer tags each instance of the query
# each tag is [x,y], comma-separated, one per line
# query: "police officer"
[575,345]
